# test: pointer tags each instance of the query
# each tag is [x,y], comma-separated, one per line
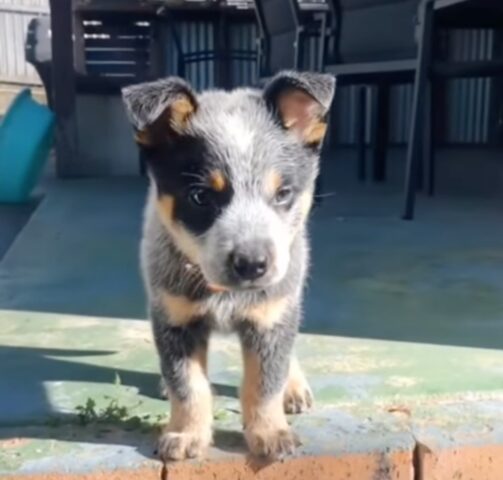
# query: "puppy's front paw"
[298,396]
[182,445]
[271,442]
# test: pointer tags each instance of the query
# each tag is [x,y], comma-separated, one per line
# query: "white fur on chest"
[224,309]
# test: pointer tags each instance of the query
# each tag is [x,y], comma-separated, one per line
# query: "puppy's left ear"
[301,101]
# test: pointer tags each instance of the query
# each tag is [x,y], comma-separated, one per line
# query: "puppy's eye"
[201,197]
[283,196]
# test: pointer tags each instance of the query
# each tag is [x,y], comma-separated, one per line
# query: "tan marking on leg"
[266,429]
[273,182]
[255,409]
[201,359]
[184,240]
[298,396]
[188,433]
[180,309]
[197,409]
[217,181]
[267,313]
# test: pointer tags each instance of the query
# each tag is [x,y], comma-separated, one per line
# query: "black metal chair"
[284,27]
[280,36]
[436,15]
[370,50]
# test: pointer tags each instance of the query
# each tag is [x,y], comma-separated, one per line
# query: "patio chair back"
[279,28]
[375,30]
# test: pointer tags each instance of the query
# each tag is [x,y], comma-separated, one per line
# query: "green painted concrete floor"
[71,305]
[372,396]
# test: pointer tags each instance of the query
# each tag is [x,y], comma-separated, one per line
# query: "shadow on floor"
[28,405]
[12,220]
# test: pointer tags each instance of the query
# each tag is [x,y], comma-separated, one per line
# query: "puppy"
[224,244]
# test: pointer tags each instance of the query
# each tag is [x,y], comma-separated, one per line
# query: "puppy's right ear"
[159,111]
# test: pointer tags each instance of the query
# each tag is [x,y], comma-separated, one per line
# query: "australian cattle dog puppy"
[225,245]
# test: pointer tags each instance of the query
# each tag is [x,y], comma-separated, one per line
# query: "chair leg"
[381,132]
[298,53]
[421,147]
[420,83]
[180,66]
[429,138]
[362,123]
[322,44]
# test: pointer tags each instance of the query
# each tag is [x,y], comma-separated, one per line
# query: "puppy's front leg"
[266,354]
[183,350]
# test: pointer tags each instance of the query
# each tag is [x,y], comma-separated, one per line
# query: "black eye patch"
[187,172]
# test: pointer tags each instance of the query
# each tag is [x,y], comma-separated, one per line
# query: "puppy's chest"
[185,298]
[228,310]
[225,311]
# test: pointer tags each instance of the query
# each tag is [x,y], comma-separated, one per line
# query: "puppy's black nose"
[248,266]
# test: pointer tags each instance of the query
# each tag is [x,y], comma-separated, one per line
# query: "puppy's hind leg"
[183,353]
[298,395]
